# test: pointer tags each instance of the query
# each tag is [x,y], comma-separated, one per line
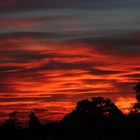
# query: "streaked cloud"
[55,53]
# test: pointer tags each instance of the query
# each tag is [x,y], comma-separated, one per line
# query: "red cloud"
[32,68]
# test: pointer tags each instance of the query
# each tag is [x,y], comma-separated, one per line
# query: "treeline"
[96,118]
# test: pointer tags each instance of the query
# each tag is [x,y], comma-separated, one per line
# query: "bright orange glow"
[125,103]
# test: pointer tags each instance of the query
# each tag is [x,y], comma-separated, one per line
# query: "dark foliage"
[34,122]
[95,111]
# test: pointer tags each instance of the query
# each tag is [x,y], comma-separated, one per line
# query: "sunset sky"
[54,53]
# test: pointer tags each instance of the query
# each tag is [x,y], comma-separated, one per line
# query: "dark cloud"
[96,71]
[128,44]
[13,5]
[133,76]
[137,69]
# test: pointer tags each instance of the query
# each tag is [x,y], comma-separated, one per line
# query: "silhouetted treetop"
[34,121]
[137,88]
[12,122]
[136,106]
[96,110]
[12,115]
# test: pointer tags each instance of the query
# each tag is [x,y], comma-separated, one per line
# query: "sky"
[55,53]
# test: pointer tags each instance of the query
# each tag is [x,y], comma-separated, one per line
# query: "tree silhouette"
[12,122]
[136,106]
[96,110]
[34,121]
[137,88]
[12,115]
